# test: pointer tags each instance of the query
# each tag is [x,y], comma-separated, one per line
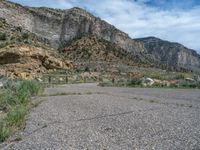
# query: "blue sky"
[173,20]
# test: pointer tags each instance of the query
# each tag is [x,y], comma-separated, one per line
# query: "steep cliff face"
[33,20]
[171,53]
[63,25]
[24,55]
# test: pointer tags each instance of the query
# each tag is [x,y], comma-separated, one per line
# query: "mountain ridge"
[171,52]
[60,26]
[76,22]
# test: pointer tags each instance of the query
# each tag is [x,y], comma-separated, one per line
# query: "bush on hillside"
[2,36]
[180,76]
[134,82]
[25,36]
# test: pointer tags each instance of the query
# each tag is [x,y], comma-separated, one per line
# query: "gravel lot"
[89,117]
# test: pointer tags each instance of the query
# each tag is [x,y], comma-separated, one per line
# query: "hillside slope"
[90,47]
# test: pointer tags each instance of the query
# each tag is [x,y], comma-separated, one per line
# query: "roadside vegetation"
[149,79]
[154,81]
[138,82]
[14,103]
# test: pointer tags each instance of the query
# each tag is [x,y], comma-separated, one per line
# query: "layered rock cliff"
[24,55]
[27,61]
[62,25]
[171,53]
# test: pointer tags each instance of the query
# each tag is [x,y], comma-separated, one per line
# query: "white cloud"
[64,4]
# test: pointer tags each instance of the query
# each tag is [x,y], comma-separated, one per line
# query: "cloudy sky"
[173,20]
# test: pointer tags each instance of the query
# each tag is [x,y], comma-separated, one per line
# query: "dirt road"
[85,116]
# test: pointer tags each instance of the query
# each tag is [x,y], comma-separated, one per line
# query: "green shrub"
[18,93]
[7,100]
[10,85]
[120,82]
[158,85]
[25,36]
[186,84]
[134,82]
[4,44]
[2,36]
[87,69]
[180,76]
[4,130]
[31,87]
[16,116]
[14,100]
[23,95]
[174,85]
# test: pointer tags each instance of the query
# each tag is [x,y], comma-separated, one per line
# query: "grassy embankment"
[14,104]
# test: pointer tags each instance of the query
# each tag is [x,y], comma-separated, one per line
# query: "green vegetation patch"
[14,103]
[2,36]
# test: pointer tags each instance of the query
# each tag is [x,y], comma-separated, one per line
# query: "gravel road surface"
[88,117]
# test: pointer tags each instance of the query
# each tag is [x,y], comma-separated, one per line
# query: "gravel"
[107,118]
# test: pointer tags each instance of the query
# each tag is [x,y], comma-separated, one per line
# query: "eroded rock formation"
[27,61]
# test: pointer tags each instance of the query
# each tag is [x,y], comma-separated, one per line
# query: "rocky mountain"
[92,48]
[171,53]
[63,27]
[89,49]
[24,55]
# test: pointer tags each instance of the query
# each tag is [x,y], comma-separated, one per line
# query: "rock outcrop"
[27,61]
[24,55]
[171,53]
